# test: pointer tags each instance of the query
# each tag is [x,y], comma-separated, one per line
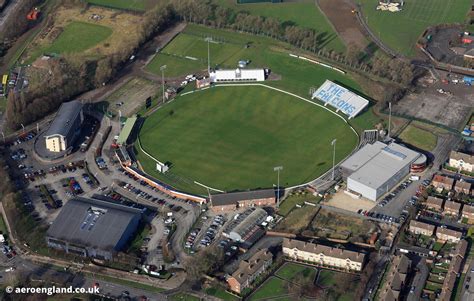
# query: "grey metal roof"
[234,197]
[92,223]
[64,119]
[380,162]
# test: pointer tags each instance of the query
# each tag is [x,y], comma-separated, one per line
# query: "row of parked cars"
[393,194]
[24,138]
[380,216]
[212,231]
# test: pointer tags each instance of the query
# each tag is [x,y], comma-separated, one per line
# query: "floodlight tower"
[278,169]
[162,68]
[333,143]
[208,39]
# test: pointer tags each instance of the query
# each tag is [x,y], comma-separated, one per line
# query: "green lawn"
[78,37]
[300,13]
[272,288]
[125,282]
[138,5]
[289,271]
[418,137]
[290,202]
[175,65]
[221,294]
[401,30]
[327,278]
[232,137]
[183,297]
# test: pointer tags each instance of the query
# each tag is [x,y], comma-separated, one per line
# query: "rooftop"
[462,156]
[64,119]
[91,222]
[248,267]
[449,232]
[434,201]
[375,164]
[452,205]
[234,197]
[322,249]
[421,225]
[126,130]
[443,180]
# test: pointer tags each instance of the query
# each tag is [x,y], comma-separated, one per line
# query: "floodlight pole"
[162,68]
[3,135]
[389,118]
[208,56]
[333,143]
[23,127]
[277,169]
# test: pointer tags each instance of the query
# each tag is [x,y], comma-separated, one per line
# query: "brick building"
[396,278]
[461,161]
[468,212]
[452,208]
[434,203]
[233,200]
[249,270]
[323,255]
[441,182]
[462,187]
[444,234]
[421,228]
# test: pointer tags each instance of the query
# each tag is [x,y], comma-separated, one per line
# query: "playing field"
[302,13]
[419,137]
[231,138]
[79,36]
[138,5]
[401,30]
[187,53]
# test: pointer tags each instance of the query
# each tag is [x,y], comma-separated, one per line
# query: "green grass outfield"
[231,138]
[300,13]
[401,30]
[296,76]
[136,5]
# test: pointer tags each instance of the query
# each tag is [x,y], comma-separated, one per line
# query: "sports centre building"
[376,168]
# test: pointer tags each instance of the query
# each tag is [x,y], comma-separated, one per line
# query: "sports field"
[303,13]
[401,30]
[79,36]
[231,138]
[229,47]
[137,5]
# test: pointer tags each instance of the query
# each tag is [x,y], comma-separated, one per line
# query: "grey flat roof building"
[376,168]
[93,227]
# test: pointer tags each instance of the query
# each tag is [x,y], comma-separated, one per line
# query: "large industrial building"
[93,228]
[376,168]
[65,127]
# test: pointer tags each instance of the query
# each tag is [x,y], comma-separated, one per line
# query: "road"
[468,294]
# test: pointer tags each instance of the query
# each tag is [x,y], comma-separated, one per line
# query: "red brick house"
[249,270]
[442,182]
[233,200]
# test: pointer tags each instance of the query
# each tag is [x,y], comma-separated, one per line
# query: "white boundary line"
[210,188]
[282,91]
